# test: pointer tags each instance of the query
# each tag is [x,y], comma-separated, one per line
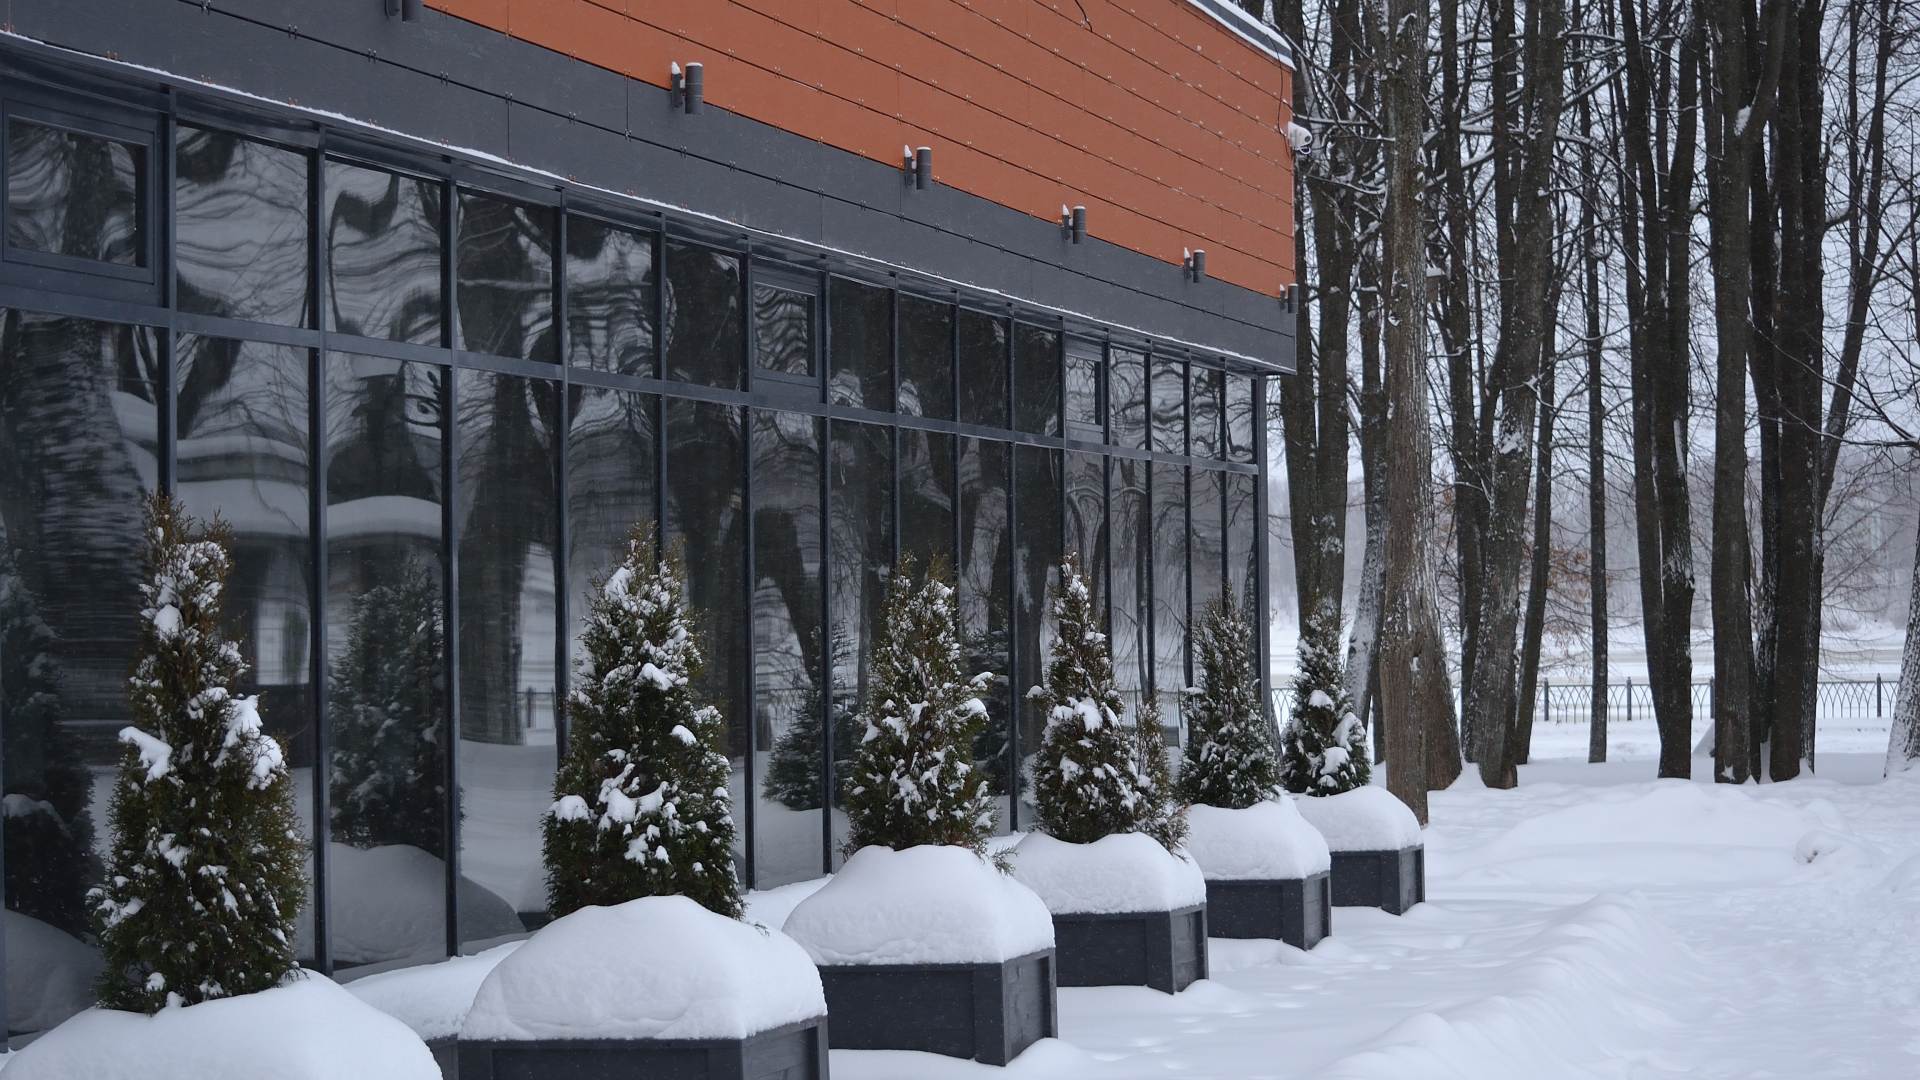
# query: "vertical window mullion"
[450,550]
[319,564]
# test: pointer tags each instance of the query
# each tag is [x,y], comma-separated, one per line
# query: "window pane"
[1132,554]
[610,298]
[1243,531]
[77,415]
[1169,540]
[862,336]
[244,454]
[984,580]
[1036,379]
[1036,567]
[926,358]
[1240,418]
[240,228]
[862,550]
[1207,405]
[706,520]
[384,244]
[1169,405]
[927,496]
[783,330]
[506,278]
[1084,417]
[983,369]
[1127,398]
[509,626]
[611,486]
[1087,520]
[387,686]
[75,194]
[787,663]
[705,341]
[1209,539]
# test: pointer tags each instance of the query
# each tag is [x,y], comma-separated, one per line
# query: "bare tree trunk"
[1398,32]
[1537,575]
[1596,434]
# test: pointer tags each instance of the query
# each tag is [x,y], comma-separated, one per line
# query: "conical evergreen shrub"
[1324,748]
[207,864]
[387,700]
[641,805]
[1090,778]
[1230,760]
[913,779]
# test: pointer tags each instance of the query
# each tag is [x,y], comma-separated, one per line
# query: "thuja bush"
[1230,759]
[1324,749]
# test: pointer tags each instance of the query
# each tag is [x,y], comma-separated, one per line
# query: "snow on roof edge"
[1255,32]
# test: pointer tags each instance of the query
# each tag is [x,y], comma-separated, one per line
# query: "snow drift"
[1268,841]
[1125,872]
[931,904]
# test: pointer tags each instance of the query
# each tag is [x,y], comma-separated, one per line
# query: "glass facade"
[434,410]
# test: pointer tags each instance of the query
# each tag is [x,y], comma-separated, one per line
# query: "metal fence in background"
[1572,702]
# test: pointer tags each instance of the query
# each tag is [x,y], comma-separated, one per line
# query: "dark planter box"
[1166,950]
[1298,911]
[446,1054]
[794,1052]
[988,1012]
[1389,880]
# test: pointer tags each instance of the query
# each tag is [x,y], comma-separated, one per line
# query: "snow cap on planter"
[913,779]
[1324,748]
[641,806]
[1230,758]
[1094,775]
[207,864]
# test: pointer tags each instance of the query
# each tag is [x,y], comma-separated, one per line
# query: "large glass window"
[1209,538]
[240,215]
[1243,534]
[386,655]
[1036,379]
[787,662]
[862,321]
[706,336]
[610,297]
[783,329]
[1086,420]
[611,488]
[984,592]
[385,239]
[506,278]
[926,357]
[706,522]
[1169,540]
[1169,405]
[77,419]
[1241,421]
[1037,492]
[1087,520]
[244,423]
[927,497]
[1132,539]
[76,193]
[861,537]
[1127,398]
[509,644]
[1205,409]
[982,360]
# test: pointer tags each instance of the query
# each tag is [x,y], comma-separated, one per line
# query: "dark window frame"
[152,134]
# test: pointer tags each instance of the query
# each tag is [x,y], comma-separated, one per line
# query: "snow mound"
[1267,841]
[1115,874]
[931,904]
[305,1029]
[1364,819]
[432,999]
[49,973]
[660,967]
[1587,995]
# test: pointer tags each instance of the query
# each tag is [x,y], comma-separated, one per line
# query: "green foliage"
[388,703]
[49,834]
[1230,759]
[1324,749]
[1091,778]
[641,805]
[913,779]
[795,778]
[208,865]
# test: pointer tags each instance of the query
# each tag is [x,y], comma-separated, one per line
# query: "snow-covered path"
[1591,924]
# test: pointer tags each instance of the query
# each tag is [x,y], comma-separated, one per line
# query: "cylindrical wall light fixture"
[1073,223]
[923,167]
[696,86]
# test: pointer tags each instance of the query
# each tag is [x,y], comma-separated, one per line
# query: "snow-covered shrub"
[640,806]
[49,834]
[388,704]
[913,779]
[207,863]
[1230,759]
[1324,748]
[1091,777]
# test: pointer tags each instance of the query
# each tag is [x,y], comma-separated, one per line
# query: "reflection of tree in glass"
[383,236]
[388,702]
[240,227]
[506,278]
[795,774]
[49,834]
[74,194]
